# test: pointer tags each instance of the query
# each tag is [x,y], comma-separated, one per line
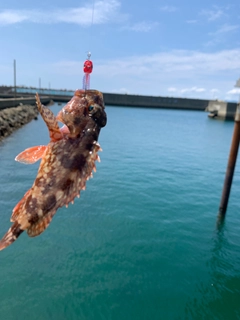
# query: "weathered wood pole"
[231,165]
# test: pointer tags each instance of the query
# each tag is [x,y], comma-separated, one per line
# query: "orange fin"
[39,226]
[17,208]
[50,120]
[12,234]
[31,155]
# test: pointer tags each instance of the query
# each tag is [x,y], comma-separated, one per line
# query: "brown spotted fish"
[67,163]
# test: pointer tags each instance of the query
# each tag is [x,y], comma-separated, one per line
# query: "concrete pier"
[222,110]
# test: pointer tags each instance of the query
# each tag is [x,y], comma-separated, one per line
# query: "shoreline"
[14,118]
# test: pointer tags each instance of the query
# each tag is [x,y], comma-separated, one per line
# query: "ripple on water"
[142,241]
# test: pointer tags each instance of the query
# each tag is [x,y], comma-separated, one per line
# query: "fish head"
[83,112]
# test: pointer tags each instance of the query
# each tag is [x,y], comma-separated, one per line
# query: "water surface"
[142,241]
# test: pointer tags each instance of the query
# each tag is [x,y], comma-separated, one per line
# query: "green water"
[142,241]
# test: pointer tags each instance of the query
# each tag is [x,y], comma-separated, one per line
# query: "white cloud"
[168,8]
[225,29]
[11,17]
[212,15]
[193,89]
[104,11]
[120,90]
[234,91]
[188,73]
[221,34]
[177,63]
[172,89]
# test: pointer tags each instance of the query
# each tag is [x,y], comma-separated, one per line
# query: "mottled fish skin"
[67,163]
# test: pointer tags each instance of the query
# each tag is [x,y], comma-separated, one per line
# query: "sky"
[177,48]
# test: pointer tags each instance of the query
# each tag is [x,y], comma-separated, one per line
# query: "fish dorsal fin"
[50,120]
[31,155]
[39,226]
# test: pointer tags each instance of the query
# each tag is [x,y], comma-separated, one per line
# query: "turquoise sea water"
[142,241]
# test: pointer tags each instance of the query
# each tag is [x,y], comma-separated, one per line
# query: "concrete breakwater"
[219,109]
[13,118]
[14,102]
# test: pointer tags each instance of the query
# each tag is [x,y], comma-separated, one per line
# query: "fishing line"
[88,65]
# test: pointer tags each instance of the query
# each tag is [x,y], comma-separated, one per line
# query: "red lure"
[87,69]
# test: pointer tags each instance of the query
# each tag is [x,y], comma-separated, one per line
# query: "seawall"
[13,118]
[14,102]
[154,102]
[130,100]
[217,108]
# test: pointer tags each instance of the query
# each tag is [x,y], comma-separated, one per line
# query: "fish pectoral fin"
[39,226]
[31,155]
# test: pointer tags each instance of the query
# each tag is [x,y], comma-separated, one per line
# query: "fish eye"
[90,108]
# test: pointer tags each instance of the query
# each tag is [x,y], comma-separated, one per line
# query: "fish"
[67,162]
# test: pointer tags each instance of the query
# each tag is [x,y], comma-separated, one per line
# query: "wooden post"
[231,165]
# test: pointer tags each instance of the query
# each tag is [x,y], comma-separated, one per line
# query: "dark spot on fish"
[48,186]
[89,146]
[16,230]
[77,121]
[31,205]
[65,185]
[34,218]
[98,100]
[39,182]
[94,135]
[85,111]
[49,204]
[70,127]
[74,163]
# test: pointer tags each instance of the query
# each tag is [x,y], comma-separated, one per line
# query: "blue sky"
[175,48]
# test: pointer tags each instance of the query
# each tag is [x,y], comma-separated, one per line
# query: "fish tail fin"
[12,234]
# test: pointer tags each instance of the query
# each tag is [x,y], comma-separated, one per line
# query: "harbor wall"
[14,102]
[127,100]
[13,118]
[218,109]
[154,102]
